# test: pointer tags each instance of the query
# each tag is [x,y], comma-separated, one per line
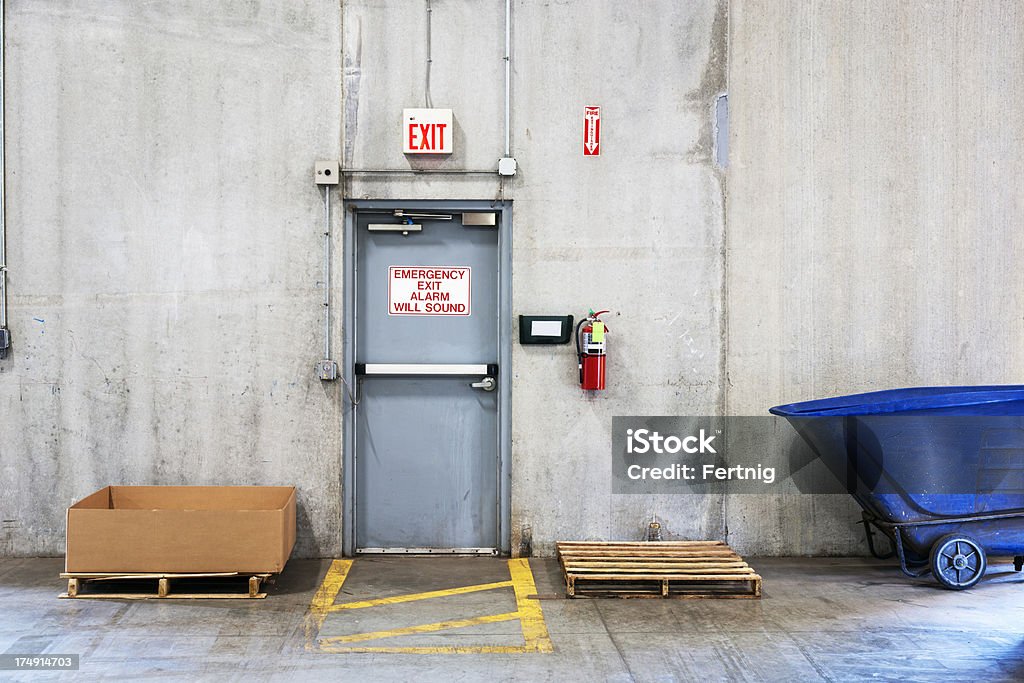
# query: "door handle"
[487,384]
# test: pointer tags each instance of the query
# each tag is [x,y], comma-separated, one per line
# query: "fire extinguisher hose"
[579,350]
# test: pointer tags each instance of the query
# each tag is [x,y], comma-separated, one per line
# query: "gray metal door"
[426,462]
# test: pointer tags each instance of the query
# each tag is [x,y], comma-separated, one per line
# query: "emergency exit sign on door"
[427,131]
[429,290]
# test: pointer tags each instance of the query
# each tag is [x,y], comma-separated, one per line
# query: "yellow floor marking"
[422,628]
[410,597]
[325,596]
[531,618]
[435,650]
[528,612]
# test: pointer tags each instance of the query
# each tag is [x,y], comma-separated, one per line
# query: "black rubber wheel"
[957,561]
[1018,562]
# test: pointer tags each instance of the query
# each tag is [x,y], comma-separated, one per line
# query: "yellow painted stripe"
[438,650]
[324,598]
[422,628]
[410,597]
[529,613]
[531,618]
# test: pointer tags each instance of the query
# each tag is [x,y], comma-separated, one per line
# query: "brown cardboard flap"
[100,500]
[201,497]
[288,519]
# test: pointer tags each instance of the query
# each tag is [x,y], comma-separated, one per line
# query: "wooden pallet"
[676,569]
[144,583]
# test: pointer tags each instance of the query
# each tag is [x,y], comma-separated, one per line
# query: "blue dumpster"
[937,470]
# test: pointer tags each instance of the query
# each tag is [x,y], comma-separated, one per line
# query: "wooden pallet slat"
[598,572]
[164,586]
[139,575]
[650,545]
[631,552]
[660,562]
[683,569]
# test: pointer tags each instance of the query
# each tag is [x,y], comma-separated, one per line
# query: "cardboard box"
[182,529]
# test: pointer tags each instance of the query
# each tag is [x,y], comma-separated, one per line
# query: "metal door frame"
[504,474]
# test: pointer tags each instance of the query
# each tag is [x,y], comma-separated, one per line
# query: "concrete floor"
[820,619]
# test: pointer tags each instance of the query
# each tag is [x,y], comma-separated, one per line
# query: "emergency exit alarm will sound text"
[429,290]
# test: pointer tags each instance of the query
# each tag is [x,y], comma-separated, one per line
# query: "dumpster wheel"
[957,561]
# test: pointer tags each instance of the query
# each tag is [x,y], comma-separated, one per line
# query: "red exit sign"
[427,131]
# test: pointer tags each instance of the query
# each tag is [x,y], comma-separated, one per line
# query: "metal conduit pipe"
[508,77]
[508,110]
[427,101]
[434,171]
[4,336]
[327,272]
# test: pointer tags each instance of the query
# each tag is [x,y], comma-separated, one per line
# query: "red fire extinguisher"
[590,351]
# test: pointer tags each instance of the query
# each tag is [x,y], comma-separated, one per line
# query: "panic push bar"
[424,369]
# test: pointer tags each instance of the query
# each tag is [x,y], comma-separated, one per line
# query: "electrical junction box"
[327,370]
[545,329]
[326,172]
[507,166]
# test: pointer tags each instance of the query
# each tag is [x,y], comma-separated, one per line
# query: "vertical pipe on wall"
[3,179]
[508,76]
[428,101]
[327,272]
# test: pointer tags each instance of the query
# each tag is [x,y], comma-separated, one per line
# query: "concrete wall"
[165,255]
[638,230]
[874,213]
[164,246]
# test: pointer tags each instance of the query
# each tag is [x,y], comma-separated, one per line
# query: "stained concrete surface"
[165,245]
[874,207]
[164,235]
[637,230]
[819,619]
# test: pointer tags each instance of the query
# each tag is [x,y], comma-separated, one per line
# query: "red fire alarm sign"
[592,131]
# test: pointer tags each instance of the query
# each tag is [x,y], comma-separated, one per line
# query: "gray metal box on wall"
[545,329]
